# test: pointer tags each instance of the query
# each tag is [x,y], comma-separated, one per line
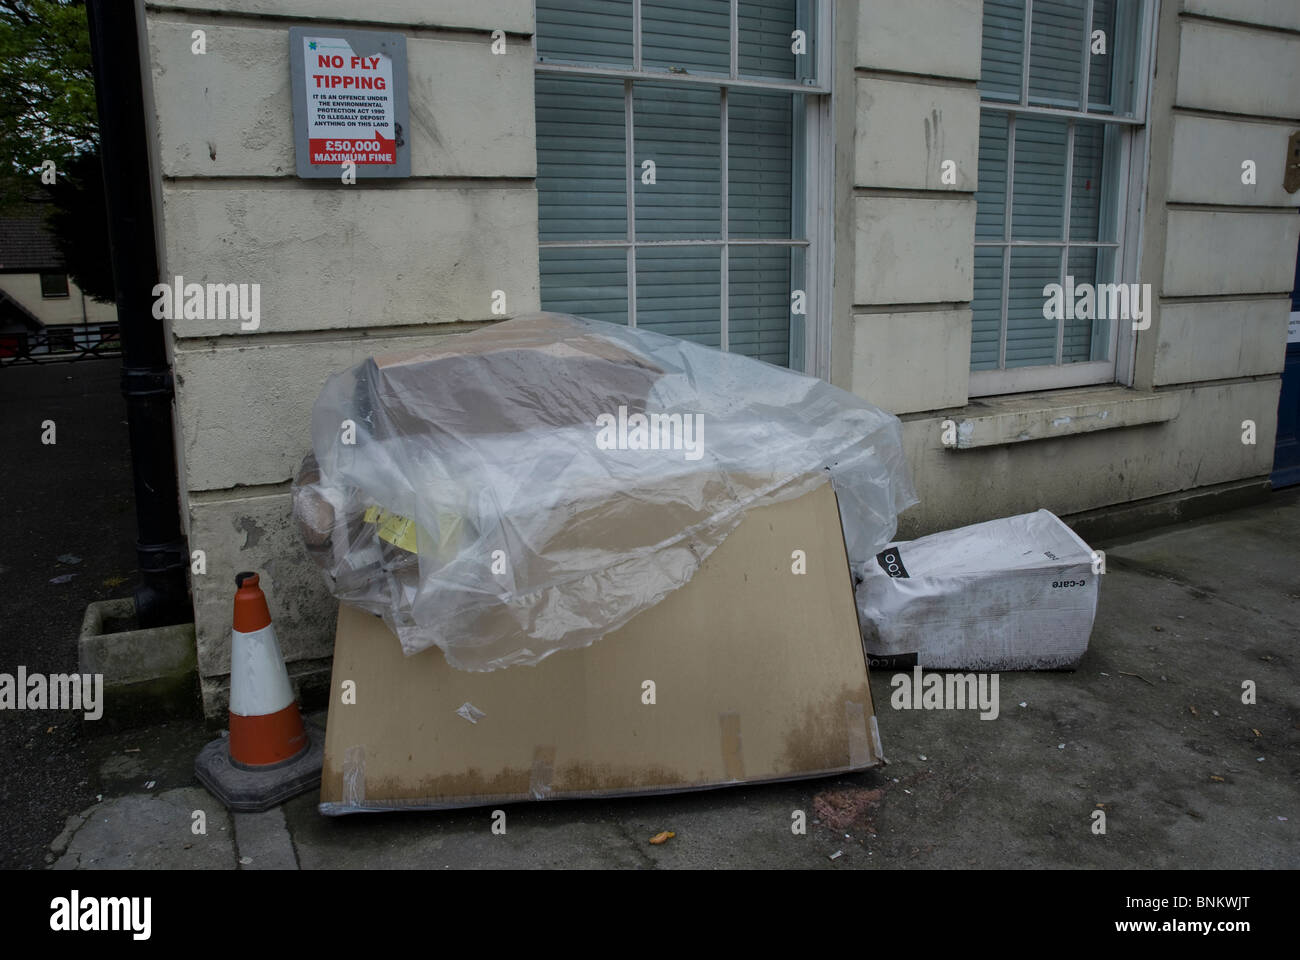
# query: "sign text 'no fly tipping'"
[349,102]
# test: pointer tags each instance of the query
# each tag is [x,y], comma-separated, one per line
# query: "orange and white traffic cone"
[270,755]
[265,724]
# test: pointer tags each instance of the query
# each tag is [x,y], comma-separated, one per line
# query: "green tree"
[47,91]
[47,112]
[79,219]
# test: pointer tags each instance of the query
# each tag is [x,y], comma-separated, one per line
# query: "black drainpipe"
[163,595]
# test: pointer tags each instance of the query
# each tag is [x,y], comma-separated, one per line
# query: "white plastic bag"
[1012,594]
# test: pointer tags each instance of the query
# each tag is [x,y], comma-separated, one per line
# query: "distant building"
[41,310]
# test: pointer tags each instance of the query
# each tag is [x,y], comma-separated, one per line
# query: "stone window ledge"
[1019,418]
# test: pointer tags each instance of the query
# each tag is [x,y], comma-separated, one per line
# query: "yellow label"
[399,531]
[393,528]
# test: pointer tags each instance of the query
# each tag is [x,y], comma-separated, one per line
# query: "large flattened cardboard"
[759,675]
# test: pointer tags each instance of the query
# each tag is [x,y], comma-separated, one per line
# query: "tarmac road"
[70,497]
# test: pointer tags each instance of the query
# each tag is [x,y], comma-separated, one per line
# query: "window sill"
[1019,418]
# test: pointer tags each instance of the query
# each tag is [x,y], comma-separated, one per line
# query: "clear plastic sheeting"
[532,486]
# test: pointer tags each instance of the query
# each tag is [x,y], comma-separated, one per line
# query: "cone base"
[252,790]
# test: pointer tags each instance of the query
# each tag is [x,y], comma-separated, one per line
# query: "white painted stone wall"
[346,271]
[1228,257]
[1199,447]
[915,107]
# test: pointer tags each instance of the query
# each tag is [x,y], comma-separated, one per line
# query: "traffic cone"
[265,724]
[269,755]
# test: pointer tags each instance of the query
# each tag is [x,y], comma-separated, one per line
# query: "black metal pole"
[163,595]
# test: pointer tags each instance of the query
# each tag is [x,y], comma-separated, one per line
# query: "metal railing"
[61,344]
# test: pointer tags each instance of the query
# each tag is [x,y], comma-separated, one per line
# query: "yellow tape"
[399,531]
[855,720]
[354,776]
[543,772]
[393,528]
[402,532]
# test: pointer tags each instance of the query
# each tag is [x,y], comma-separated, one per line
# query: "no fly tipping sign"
[349,103]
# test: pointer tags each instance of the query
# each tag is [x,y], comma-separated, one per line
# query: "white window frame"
[815,190]
[1129,208]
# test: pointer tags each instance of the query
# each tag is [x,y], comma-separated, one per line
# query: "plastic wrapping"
[532,486]
[1017,593]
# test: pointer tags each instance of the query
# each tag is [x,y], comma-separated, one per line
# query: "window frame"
[67,288]
[812,149]
[1128,207]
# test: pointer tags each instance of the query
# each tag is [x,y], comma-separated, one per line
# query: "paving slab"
[262,841]
[150,831]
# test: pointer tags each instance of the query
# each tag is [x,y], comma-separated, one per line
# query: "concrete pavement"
[1151,731]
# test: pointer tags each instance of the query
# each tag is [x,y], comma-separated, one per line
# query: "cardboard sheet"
[758,672]
[455,383]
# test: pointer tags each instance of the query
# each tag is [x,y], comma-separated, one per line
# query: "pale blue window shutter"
[1002,50]
[1038,165]
[583,170]
[761,203]
[765,38]
[679,129]
[585,31]
[582,194]
[990,222]
[581,159]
